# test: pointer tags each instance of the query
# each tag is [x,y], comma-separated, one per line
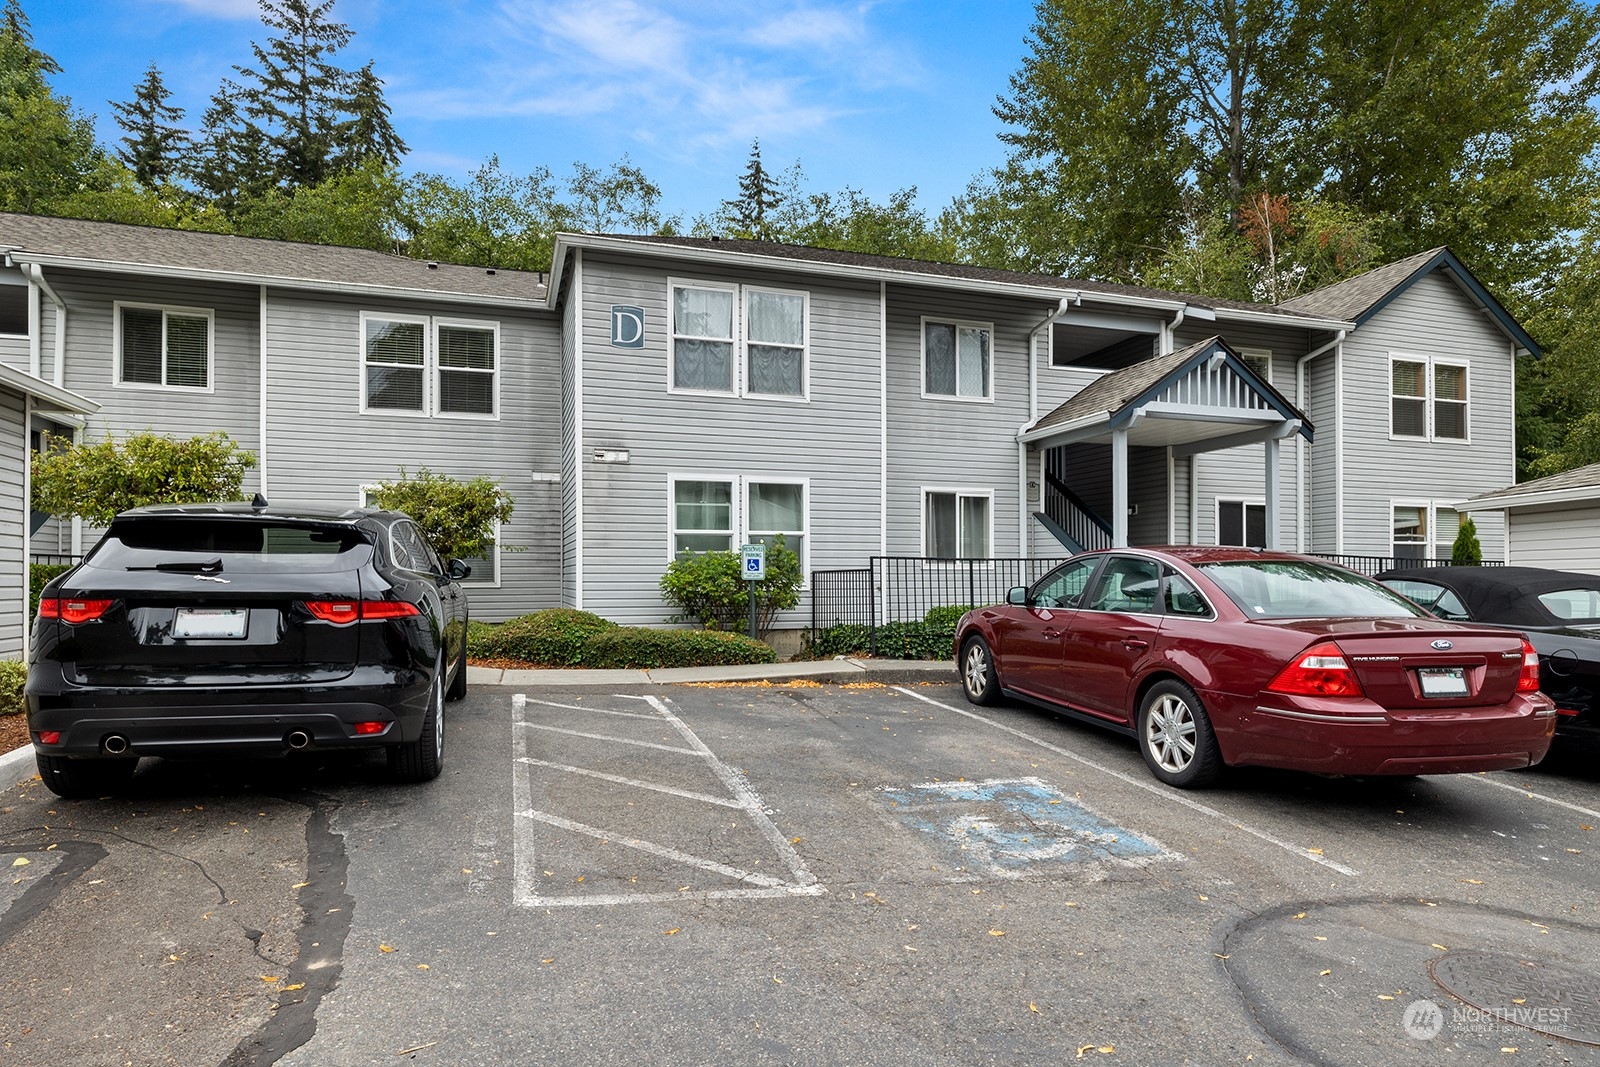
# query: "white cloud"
[222,9]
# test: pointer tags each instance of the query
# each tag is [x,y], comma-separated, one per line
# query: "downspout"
[1303,516]
[1033,415]
[58,375]
[261,451]
[1169,332]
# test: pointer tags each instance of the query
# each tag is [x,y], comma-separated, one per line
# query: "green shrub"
[642,648]
[1466,551]
[946,616]
[709,588]
[556,637]
[13,673]
[479,634]
[458,516]
[916,640]
[39,575]
[842,640]
[97,480]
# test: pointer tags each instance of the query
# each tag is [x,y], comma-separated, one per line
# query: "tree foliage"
[457,515]
[47,149]
[1466,551]
[156,150]
[710,588]
[97,480]
[759,197]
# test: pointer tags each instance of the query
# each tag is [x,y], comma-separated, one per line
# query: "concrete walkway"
[835,671]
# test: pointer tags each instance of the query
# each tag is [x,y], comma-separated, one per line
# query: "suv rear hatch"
[213,600]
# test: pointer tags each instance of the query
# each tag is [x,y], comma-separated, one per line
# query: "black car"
[1558,610]
[239,629]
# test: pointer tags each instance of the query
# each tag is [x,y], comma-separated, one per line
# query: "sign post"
[754,569]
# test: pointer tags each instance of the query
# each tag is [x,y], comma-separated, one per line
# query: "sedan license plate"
[1443,681]
[219,623]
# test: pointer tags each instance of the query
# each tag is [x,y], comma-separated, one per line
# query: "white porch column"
[1119,488]
[1273,541]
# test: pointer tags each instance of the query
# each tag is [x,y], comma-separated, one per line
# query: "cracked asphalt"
[784,875]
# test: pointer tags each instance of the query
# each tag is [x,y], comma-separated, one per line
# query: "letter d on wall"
[627,326]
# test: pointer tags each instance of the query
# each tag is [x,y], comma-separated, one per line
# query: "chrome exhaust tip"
[297,739]
[115,745]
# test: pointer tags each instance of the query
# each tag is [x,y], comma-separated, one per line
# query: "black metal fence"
[1370,565]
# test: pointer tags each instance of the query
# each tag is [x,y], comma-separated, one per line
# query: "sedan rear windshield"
[1298,589]
[201,545]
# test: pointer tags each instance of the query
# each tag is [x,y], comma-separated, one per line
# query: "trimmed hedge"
[557,637]
[843,640]
[946,616]
[639,647]
[896,640]
[13,673]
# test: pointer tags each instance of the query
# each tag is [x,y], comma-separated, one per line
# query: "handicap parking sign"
[755,562]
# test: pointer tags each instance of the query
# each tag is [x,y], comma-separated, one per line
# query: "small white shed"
[1550,522]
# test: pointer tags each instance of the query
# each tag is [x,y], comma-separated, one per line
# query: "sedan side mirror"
[1018,595]
[456,570]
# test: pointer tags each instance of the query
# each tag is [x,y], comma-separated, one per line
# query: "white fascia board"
[1500,501]
[319,285]
[1047,293]
[1098,418]
[54,397]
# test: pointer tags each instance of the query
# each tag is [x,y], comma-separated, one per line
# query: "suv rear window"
[241,544]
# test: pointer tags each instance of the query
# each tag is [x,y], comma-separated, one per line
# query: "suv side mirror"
[456,570]
[1018,595]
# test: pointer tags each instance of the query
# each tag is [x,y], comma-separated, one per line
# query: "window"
[1436,598]
[709,514]
[1428,399]
[163,348]
[955,524]
[956,359]
[1424,530]
[1128,585]
[1241,523]
[13,308]
[1063,587]
[428,366]
[1258,360]
[1182,598]
[739,340]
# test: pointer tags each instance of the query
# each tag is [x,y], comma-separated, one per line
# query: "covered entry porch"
[1101,470]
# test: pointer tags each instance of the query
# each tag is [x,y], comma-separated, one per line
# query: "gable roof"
[1575,486]
[151,250]
[1360,298]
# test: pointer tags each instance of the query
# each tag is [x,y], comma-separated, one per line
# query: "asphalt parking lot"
[797,873]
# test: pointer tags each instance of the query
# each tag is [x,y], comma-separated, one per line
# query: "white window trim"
[958,491]
[499,562]
[739,343]
[922,348]
[435,379]
[1429,399]
[1216,514]
[208,314]
[1433,548]
[739,510]
[1248,354]
[430,367]
[427,344]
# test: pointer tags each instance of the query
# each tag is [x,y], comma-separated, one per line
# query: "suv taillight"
[73,610]
[1319,671]
[361,610]
[1528,680]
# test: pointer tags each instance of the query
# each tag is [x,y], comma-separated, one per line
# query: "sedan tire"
[1175,737]
[84,779]
[979,678]
[422,759]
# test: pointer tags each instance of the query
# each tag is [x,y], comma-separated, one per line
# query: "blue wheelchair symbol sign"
[755,562]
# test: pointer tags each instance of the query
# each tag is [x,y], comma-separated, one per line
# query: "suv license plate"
[1442,681]
[218,623]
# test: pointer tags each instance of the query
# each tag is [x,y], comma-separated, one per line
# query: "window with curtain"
[775,343]
[955,525]
[1410,525]
[164,347]
[702,339]
[1408,404]
[778,508]
[956,359]
[702,516]
[429,366]
[1450,401]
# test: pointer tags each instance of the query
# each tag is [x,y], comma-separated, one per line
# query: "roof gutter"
[1041,432]
[1508,500]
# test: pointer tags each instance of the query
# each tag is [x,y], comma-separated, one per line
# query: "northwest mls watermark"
[1424,1020]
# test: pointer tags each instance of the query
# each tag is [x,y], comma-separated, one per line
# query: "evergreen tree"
[368,134]
[750,215]
[47,150]
[294,95]
[230,164]
[155,149]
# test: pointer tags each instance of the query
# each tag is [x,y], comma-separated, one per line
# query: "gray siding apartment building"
[654,394]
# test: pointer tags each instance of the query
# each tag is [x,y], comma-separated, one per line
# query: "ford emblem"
[1442,645]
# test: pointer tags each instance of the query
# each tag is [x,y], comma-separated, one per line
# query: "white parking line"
[530,890]
[1532,795]
[1160,791]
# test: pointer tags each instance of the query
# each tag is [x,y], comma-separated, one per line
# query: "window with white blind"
[422,365]
[163,347]
[1428,398]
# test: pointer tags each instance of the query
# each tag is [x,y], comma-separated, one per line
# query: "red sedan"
[1215,657]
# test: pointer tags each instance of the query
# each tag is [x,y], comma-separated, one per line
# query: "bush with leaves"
[95,481]
[556,637]
[13,675]
[709,587]
[642,648]
[948,615]
[1466,551]
[843,639]
[916,640]
[457,516]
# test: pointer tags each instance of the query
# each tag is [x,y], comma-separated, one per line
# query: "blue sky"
[874,94]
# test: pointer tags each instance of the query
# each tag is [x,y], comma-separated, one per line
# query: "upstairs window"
[956,359]
[164,348]
[1428,399]
[429,366]
[775,343]
[702,339]
[740,340]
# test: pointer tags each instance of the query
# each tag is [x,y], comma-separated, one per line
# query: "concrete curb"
[835,671]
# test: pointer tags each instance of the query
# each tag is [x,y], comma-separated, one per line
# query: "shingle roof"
[287,263]
[1354,297]
[1113,391]
[1578,478]
[805,253]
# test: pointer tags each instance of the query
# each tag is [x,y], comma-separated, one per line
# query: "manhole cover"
[1536,996]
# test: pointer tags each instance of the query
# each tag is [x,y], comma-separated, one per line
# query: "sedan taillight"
[73,610]
[1528,680]
[361,610]
[1321,671]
